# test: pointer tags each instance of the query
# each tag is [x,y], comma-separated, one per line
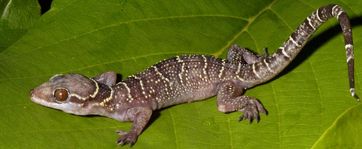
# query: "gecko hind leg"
[242,55]
[230,99]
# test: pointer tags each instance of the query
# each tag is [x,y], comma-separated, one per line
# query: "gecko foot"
[127,138]
[251,109]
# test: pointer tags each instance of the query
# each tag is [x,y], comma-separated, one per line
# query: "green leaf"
[16,17]
[308,104]
[345,132]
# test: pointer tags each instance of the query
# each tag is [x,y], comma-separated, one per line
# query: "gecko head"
[68,93]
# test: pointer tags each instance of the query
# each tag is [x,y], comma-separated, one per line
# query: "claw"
[241,118]
[261,108]
[251,119]
[257,118]
[121,132]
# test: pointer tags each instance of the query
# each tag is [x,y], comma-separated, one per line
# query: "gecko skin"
[184,79]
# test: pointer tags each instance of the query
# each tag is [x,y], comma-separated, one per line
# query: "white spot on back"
[182,69]
[310,23]
[267,65]
[320,20]
[238,69]
[334,10]
[296,43]
[284,53]
[130,98]
[96,90]
[142,86]
[339,13]
[222,69]
[352,91]
[160,74]
[238,76]
[254,71]
[109,98]
[349,58]
[205,65]
[348,46]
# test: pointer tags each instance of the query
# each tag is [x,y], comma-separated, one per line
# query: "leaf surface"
[308,103]
[17,16]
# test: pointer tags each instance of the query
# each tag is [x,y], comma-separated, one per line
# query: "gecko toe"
[260,107]
[251,111]
[128,138]
[121,132]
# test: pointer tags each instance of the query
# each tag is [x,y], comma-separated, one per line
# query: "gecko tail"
[353,93]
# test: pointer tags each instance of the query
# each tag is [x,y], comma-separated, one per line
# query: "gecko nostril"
[31,92]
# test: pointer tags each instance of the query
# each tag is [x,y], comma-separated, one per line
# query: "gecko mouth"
[71,108]
[37,98]
[42,102]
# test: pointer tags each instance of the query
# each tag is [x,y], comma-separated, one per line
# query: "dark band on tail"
[296,41]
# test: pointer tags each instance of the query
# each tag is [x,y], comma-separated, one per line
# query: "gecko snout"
[34,93]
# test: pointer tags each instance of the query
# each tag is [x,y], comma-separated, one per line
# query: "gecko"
[186,78]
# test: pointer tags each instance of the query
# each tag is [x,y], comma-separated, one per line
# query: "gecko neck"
[99,104]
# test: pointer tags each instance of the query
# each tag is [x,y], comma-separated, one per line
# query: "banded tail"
[275,63]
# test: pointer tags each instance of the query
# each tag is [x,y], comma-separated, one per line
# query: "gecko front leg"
[230,99]
[140,117]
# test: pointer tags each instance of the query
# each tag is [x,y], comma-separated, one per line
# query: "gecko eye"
[61,94]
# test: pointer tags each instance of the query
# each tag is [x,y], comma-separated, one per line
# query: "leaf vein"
[245,28]
[119,24]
